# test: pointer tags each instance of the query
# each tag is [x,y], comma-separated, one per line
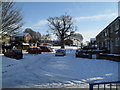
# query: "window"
[117,41]
[103,34]
[112,28]
[102,44]
[116,25]
[106,43]
[106,32]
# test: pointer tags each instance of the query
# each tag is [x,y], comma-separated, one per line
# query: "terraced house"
[109,37]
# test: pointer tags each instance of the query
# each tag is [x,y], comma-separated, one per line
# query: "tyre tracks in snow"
[38,64]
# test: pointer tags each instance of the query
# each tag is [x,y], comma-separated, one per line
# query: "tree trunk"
[62,44]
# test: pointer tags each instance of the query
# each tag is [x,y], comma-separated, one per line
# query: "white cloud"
[96,17]
[24,27]
[40,23]
[36,26]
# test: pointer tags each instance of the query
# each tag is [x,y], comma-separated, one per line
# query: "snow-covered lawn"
[48,71]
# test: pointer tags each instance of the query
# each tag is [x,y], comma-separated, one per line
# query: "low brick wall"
[109,57]
[84,56]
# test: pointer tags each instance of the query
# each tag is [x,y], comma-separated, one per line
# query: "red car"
[46,49]
[34,50]
[46,44]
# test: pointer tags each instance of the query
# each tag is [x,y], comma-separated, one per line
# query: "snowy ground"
[48,71]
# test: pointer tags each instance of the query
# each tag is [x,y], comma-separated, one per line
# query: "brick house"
[21,40]
[25,37]
[109,37]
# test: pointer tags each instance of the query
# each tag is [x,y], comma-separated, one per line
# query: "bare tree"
[46,37]
[77,36]
[11,18]
[62,26]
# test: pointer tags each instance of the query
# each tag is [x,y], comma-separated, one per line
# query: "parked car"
[47,44]
[34,50]
[46,49]
[60,52]
[14,53]
[79,49]
[77,52]
[73,45]
[56,44]
[87,51]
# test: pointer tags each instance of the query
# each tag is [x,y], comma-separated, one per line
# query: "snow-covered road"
[48,71]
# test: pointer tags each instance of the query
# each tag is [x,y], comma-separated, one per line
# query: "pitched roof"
[20,34]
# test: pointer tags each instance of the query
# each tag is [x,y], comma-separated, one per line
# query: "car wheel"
[76,55]
[17,57]
[11,56]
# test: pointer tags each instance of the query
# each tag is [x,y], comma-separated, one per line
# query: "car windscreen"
[60,50]
[48,47]
[16,50]
[42,47]
[34,48]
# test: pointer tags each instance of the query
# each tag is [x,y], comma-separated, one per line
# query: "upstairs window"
[116,25]
[117,41]
[112,28]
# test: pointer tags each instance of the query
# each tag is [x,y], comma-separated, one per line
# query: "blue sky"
[90,17]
